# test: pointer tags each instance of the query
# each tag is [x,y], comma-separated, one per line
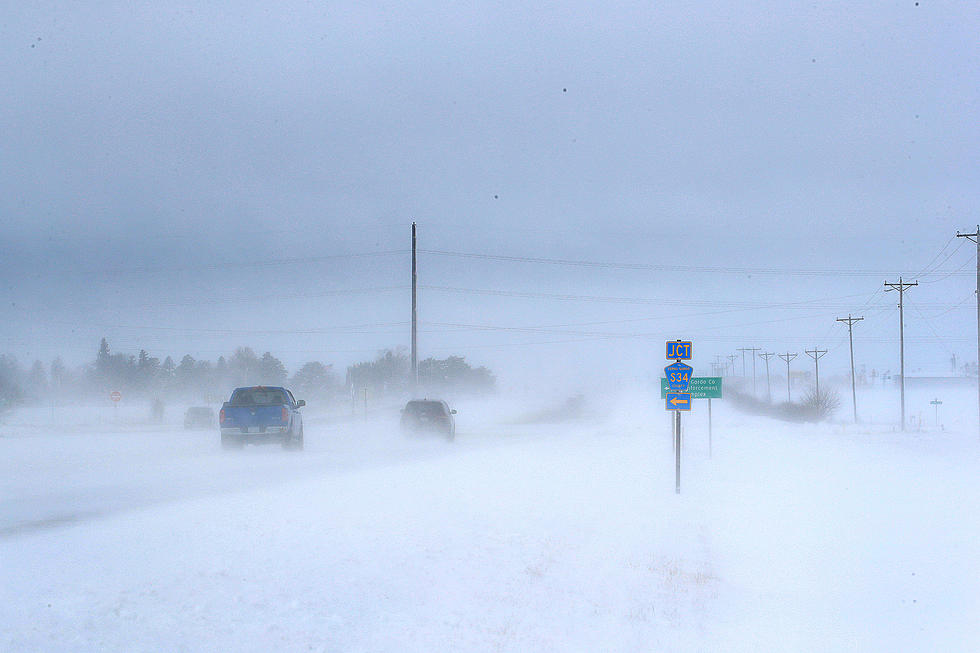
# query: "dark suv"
[429,415]
[199,417]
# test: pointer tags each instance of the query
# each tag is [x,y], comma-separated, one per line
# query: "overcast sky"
[189,177]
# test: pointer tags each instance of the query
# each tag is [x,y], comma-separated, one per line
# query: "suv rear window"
[427,408]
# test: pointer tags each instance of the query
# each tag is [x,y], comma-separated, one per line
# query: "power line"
[957,271]
[659,268]
[926,269]
[812,303]
[217,266]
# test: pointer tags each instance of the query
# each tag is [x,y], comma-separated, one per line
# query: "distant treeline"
[142,375]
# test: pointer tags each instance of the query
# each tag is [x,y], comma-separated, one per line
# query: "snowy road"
[55,474]
[519,537]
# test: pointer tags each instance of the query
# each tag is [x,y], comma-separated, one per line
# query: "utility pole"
[767,356]
[415,315]
[753,350]
[975,237]
[816,355]
[788,357]
[743,350]
[850,336]
[900,287]
[731,361]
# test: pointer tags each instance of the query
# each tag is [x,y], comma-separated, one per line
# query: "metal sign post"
[677,452]
[116,397]
[935,402]
[709,428]
[677,379]
[699,387]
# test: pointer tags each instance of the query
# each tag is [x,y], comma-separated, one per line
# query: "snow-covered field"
[122,536]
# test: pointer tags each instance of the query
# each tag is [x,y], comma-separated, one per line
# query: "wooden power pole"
[788,357]
[850,336]
[415,315]
[816,355]
[767,356]
[900,287]
[975,237]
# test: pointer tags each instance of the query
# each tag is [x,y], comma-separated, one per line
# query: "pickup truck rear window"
[258,397]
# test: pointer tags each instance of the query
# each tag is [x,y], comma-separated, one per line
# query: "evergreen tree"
[166,375]
[58,376]
[147,371]
[220,381]
[185,374]
[10,382]
[243,368]
[455,374]
[102,359]
[389,372]
[313,379]
[206,381]
[37,379]
[271,370]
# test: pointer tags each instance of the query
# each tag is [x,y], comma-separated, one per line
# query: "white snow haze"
[509,207]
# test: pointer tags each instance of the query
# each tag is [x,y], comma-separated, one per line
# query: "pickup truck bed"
[261,414]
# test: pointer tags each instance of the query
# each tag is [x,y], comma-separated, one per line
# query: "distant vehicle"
[429,415]
[199,417]
[261,414]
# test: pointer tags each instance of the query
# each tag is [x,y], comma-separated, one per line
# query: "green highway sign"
[701,387]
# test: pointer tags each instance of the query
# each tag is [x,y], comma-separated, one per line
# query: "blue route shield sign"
[678,376]
[678,401]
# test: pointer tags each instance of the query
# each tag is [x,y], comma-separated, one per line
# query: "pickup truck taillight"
[221,416]
[285,415]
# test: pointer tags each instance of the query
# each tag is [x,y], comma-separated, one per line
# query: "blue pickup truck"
[261,414]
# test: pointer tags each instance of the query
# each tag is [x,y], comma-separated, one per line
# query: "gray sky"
[188,179]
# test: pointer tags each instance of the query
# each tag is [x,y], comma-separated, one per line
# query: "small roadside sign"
[678,401]
[115,395]
[680,350]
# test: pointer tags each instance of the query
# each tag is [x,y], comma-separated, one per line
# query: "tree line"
[142,375]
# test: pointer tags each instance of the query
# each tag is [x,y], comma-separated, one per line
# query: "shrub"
[811,409]
[821,407]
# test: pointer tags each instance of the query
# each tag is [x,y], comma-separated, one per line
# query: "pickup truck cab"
[261,414]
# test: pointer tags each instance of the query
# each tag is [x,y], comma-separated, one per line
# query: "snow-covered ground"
[521,535]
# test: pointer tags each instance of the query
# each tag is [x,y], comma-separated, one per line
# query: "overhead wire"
[950,274]
[926,270]
[660,267]
[224,265]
